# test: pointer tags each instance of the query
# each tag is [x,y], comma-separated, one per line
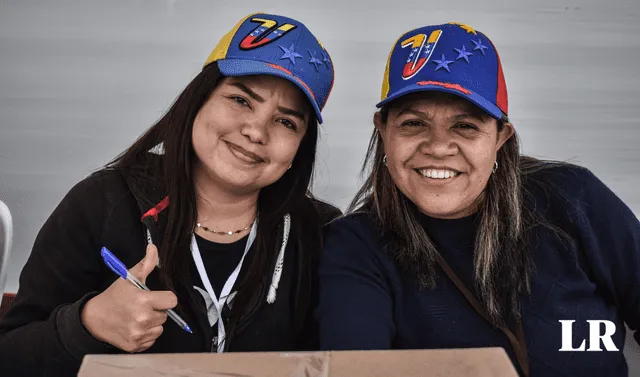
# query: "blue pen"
[119,268]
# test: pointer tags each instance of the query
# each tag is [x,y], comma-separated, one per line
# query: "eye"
[289,124]
[466,126]
[412,123]
[241,101]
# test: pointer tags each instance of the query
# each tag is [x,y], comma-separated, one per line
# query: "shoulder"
[358,221]
[559,179]
[354,243]
[326,211]
[100,188]
[99,201]
[353,231]
[574,188]
[560,175]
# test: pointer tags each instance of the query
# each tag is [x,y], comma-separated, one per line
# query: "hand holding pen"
[127,316]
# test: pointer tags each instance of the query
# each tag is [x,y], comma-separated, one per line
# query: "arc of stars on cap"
[313,59]
[290,53]
[479,46]
[463,53]
[443,63]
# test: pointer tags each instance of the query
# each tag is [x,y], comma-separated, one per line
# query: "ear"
[504,135]
[378,123]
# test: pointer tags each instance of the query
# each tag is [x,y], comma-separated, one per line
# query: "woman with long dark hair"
[217,193]
[455,240]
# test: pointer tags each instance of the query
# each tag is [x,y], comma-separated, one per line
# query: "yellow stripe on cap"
[220,51]
[435,35]
[385,78]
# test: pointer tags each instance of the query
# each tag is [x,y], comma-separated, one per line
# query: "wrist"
[88,319]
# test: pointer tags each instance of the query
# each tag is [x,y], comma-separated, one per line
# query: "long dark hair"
[502,258]
[175,177]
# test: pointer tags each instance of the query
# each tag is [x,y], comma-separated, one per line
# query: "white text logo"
[594,336]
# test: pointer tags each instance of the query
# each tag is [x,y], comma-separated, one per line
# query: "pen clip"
[113,263]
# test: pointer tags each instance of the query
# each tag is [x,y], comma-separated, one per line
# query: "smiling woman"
[440,151]
[217,192]
[455,240]
[247,133]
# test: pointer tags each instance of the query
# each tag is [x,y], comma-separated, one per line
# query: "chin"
[244,185]
[442,209]
[440,213]
[235,181]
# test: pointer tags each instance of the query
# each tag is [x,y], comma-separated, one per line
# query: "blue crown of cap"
[451,58]
[284,47]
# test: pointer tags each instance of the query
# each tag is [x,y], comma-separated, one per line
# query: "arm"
[356,305]
[612,248]
[42,333]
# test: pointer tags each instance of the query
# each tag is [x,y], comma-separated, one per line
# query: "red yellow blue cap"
[280,46]
[452,58]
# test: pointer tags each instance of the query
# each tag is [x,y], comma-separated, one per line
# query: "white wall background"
[81,79]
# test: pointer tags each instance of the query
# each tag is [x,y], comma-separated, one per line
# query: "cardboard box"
[477,362]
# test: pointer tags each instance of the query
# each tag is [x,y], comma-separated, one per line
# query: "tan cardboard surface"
[480,362]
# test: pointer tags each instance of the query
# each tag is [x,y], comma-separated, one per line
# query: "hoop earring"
[495,166]
[384,160]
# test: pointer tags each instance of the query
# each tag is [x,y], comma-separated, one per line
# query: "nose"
[438,143]
[255,128]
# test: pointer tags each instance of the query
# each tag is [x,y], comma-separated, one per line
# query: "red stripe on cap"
[502,99]
[280,68]
[296,77]
[153,212]
[306,86]
[447,85]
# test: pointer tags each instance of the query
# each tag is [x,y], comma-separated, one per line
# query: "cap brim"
[242,67]
[474,98]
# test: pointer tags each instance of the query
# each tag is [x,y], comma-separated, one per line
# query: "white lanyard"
[226,290]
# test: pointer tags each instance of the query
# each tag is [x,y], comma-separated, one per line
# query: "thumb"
[146,265]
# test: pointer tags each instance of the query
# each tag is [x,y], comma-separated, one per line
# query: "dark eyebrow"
[454,118]
[409,110]
[462,116]
[292,112]
[248,91]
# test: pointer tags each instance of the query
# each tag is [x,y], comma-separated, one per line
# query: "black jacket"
[42,334]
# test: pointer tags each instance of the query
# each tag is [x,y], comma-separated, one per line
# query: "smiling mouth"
[244,154]
[438,173]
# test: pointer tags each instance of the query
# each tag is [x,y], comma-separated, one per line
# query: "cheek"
[481,159]
[199,136]
[208,128]
[284,148]
[398,152]
[202,138]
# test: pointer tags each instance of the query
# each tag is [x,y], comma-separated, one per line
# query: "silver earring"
[289,166]
[495,166]
[384,160]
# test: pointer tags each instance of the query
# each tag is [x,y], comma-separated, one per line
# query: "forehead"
[268,85]
[433,102]
[265,83]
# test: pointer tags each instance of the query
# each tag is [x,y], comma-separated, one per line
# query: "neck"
[222,209]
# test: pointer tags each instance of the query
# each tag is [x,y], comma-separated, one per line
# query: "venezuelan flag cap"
[452,58]
[267,44]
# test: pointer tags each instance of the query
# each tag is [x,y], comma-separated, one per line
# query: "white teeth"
[437,173]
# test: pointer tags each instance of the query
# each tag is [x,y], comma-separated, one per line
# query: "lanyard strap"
[517,341]
[218,304]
